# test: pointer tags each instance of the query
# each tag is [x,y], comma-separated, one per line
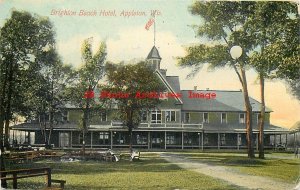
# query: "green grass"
[280,166]
[150,172]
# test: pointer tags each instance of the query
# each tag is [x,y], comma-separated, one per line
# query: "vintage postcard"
[141,94]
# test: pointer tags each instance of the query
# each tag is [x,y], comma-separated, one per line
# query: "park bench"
[135,155]
[21,156]
[14,175]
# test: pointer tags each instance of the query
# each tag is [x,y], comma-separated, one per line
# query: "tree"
[23,38]
[268,33]
[274,25]
[131,80]
[86,81]
[224,24]
[46,97]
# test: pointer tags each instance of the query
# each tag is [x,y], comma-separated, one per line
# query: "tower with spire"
[154,58]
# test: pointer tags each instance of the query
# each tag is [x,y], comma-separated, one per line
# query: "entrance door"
[64,139]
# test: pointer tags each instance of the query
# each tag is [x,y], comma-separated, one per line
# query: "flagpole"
[154,30]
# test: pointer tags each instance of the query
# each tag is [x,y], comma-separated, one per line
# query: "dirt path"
[227,174]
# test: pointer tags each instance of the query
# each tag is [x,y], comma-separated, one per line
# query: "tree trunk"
[130,138]
[249,133]
[10,83]
[85,124]
[262,118]
[2,119]
[51,114]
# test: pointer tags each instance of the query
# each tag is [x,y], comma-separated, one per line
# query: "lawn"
[150,172]
[280,166]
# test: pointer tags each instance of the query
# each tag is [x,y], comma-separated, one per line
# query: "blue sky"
[127,39]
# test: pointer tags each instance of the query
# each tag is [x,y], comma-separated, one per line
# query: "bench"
[135,155]
[14,175]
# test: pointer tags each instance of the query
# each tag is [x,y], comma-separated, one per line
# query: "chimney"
[195,88]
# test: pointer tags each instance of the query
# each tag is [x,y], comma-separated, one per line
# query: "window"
[65,116]
[222,139]
[187,117]
[223,118]
[170,116]
[144,116]
[258,117]
[103,135]
[170,139]
[104,138]
[64,139]
[103,116]
[206,140]
[140,139]
[242,118]
[205,118]
[80,138]
[156,117]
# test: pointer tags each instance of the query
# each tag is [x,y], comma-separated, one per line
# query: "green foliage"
[268,33]
[88,76]
[23,39]
[132,78]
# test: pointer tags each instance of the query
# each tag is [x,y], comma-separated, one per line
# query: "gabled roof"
[172,84]
[153,54]
[224,101]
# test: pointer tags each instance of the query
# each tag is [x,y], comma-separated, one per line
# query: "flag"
[149,23]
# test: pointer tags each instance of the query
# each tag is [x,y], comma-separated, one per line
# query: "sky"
[121,24]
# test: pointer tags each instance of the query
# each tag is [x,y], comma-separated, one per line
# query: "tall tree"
[275,27]
[86,81]
[223,24]
[131,80]
[268,34]
[23,37]
[46,97]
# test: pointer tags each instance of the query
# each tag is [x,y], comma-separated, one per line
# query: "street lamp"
[236,52]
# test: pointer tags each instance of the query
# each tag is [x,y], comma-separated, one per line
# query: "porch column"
[274,141]
[237,141]
[165,139]
[294,141]
[286,141]
[280,139]
[202,140]
[199,141]
[71,139]
[91,139]
[256,141]
[182,140]
[149,140]
[111,139]
[13,135]
[28,137]
[218,140]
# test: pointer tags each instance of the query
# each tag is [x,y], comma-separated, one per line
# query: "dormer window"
[156,116]
[170,116]
[258,117]
[223,118]
[242,118]
[205,118]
